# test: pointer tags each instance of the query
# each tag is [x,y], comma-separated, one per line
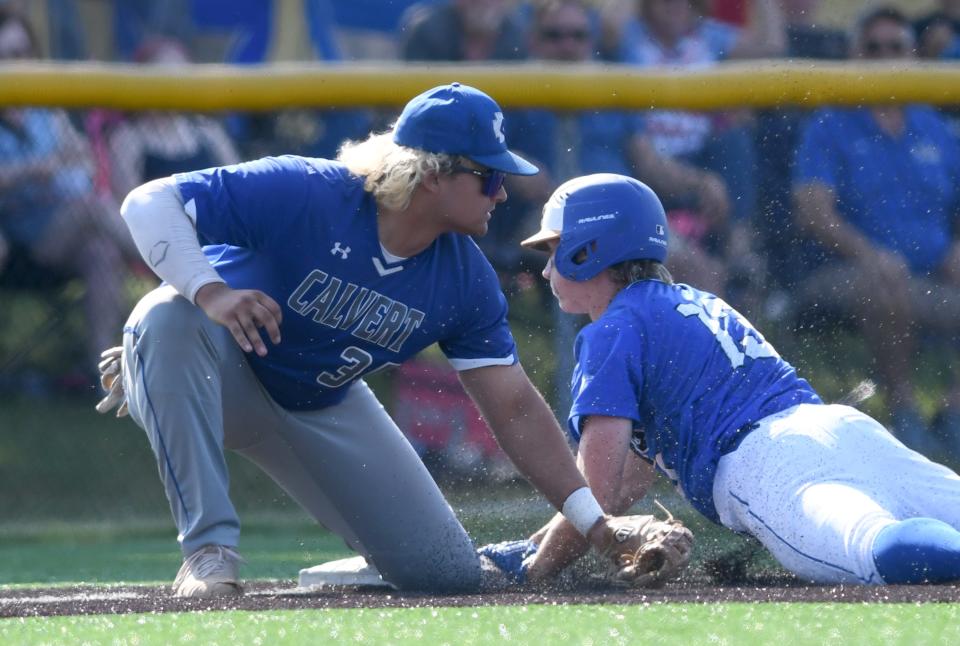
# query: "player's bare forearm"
[815,205]
[664,173]
[35,170]
[604,447]
[525,428]
[560,544]
[617,477]
[638,476]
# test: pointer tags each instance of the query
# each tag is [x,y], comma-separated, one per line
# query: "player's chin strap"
[111,378]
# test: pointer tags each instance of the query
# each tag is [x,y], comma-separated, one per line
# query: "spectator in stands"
[49,210]
[134,21]
[595,141]
[462,30]
[566,145]
[938,33]
[367,29]
[878,188]
[477,30]
[786,254]
[806,34]
[249,32]
[149,145]
[306,32]
[681,33]
[234,31]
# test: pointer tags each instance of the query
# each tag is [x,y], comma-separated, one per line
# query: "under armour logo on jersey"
[660,230]
[337,249]
[498,127]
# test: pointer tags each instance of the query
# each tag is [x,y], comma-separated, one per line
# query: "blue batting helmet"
[610,218]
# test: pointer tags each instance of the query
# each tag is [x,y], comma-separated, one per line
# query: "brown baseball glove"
[646,552]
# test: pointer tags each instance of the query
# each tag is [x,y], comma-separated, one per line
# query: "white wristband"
[582,509]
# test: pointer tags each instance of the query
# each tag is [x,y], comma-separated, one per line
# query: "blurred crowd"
[811,219]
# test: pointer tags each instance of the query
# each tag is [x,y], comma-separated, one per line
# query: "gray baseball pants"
[191,389]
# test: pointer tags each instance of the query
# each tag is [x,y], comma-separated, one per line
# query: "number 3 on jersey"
[357,361]
[717,316]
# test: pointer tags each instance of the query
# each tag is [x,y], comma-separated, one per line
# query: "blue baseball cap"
[459,120]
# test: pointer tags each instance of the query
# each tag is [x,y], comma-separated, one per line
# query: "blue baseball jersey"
[690,372]
[304,231]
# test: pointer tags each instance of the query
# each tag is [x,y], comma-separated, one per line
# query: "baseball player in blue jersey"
[289,279]
[670,379]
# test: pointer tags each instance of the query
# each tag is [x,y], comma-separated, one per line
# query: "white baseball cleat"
[211,571]
[353,572]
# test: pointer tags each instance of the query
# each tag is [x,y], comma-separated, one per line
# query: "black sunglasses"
[556,35]
[492,179]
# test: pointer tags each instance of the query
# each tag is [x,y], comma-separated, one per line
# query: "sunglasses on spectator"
[492,179]
[554,34]
[875,47]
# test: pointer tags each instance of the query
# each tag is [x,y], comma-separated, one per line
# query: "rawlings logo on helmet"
[595,218]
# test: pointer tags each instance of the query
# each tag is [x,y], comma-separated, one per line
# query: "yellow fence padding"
[567,87]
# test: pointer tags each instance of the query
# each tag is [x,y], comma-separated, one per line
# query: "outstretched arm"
[525,428]
[529,434]
[617,477]
[642,550]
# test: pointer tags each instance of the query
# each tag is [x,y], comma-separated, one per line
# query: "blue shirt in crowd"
[901,192]
[28,206]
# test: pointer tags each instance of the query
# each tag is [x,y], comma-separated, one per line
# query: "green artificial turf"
[275,546]
[774,623]
[153,556]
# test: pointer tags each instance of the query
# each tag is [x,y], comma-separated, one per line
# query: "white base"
[353,572]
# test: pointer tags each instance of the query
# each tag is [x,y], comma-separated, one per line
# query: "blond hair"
[630,271]
[392,172]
